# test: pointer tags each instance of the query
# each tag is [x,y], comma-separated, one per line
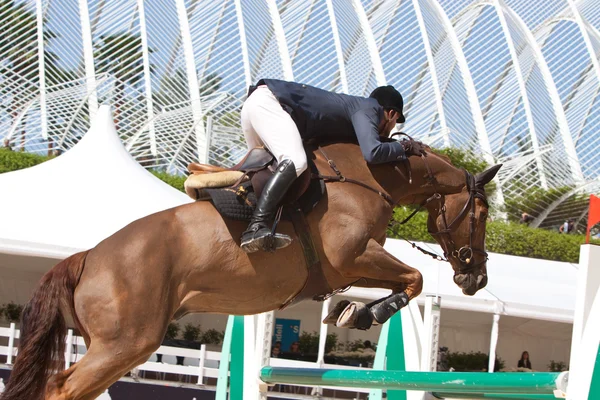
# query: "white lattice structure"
[514,81]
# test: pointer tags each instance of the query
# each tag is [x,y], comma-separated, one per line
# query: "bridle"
[464,254]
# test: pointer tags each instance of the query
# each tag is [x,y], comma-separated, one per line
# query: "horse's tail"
[43,329]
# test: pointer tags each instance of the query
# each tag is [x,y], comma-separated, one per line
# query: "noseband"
[464,254]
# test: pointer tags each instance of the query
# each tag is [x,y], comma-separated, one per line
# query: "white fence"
[198,364]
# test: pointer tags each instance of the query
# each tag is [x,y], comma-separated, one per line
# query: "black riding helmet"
[389,98]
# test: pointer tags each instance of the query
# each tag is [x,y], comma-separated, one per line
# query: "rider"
[280,115]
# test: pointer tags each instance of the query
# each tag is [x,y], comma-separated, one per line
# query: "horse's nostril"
[482,281]
[459,279]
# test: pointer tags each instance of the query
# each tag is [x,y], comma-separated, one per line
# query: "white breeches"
[264,122]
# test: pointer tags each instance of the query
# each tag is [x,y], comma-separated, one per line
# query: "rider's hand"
[413,147]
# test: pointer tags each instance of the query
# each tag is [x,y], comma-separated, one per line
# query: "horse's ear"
[486,176]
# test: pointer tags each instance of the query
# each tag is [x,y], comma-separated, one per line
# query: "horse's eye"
[483,215]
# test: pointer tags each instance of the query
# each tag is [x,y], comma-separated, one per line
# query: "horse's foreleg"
[380,269]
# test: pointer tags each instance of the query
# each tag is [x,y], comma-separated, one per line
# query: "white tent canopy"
[74,201]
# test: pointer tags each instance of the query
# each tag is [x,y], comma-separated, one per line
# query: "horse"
[123,293]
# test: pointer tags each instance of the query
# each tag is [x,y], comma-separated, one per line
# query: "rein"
[341,178]
[464,254]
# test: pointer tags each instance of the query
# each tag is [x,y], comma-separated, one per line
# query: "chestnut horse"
[123,293]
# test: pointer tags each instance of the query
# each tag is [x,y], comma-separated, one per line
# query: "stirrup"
[267,242]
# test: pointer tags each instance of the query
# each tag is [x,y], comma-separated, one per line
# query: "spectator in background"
[524,362]
[525,218]
[276,350]
[295,347]
[567,226]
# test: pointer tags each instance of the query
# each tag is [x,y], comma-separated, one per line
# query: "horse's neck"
[395,181]
[412,186]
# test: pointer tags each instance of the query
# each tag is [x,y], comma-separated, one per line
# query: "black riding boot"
[258,236]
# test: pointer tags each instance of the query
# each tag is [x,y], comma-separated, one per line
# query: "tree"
[120,55]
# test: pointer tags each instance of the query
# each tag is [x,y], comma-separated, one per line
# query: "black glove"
[413,147]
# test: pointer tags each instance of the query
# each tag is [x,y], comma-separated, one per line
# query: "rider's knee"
[300,164]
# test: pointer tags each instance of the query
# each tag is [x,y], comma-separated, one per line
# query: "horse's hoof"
[355,315]
[333,316]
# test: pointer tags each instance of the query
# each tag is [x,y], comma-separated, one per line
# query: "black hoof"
[355,316]
[333,316]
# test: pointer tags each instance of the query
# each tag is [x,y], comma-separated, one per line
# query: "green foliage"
[213,336]
[175,181]
[472,361]
[172,331]
[415,229]
[309,342]
[469,160]
[331,342]
[461,158]
[557,366]
[501,237]
[355,345]
[12,312]
[521,240]
[15,160]
[191,332]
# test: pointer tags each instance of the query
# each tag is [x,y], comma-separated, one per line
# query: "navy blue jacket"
[333,116]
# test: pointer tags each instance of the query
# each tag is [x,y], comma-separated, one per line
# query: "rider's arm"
[375,151]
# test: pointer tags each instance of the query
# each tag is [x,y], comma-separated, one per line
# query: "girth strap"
[316,286]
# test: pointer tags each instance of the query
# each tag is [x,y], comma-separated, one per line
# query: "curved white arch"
[284,54]
[192,79]
[371,43]
[563,126]
[147,76]
[338,46]
[243,42]
[88,56]
[433,71]
[583,27]
[39,13]
[461,61]
[522,88]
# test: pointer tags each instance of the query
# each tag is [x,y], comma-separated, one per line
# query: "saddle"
[257,166]
[234,192]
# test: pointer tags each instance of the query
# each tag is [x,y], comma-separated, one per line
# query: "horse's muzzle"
[470,283]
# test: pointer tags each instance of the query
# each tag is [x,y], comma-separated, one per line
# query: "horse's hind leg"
[102,365]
